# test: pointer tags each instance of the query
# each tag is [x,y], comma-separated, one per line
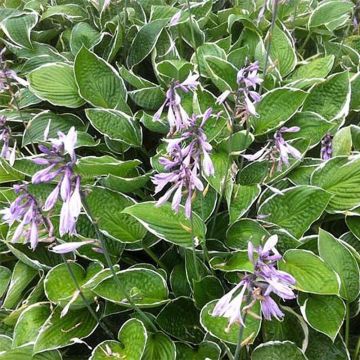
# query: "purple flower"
[177,116]
[5,136]
[326,147]
[186,156]
[24,210]
[70,247]
[68,187]
[175,19]
[264,281]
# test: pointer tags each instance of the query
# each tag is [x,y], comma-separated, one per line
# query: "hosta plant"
[179,180]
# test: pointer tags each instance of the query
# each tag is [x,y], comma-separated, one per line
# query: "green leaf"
[220,161]
[8,173]
[329,12]
[106,208]
[355,92]
[242,198]
[29,323]
[340,177]
[296,209]
[165,224]
[159,347]
[132,337]
[145,287]
[315,69]
[282,51]
[55,82]
[292,327]
[5,275]
[331,98]
[18,28]
[342,142]
[144,41]
[35,128]
[21,278]
[284,350]
[235,261]
[323,313]
[205,50]
[126,184]
[150,98]
[339,257]
[20,353]
[71,12]
[98,82]
[116,125]
[217,325]
[207,350]
[180,319]
[312,274]
[82,34]
[240,233]
[222,73]
[58,332]
[275,108]
[206,289]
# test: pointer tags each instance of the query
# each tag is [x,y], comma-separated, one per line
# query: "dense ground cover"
[179,180]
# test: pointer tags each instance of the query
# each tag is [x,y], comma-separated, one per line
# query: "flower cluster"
[247,80]
[278,150]
[187,155]
[25,210]
[69,185]
[5,135]
[258,286]
[326,147]
[177,116]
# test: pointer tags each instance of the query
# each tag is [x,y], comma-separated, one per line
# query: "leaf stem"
[197,273]
[239,340]
[83,298]
[193,36]
[154,256]
[347,325]
[268,47]
[357,350]
[99,234]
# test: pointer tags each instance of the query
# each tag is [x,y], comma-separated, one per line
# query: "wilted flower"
[5,135]
[279,150]
[258,286]
[8,76]
[326,147]
[186,156]
[177,116]
[25,210]
[68,188]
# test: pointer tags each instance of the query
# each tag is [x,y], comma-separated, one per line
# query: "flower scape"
[179,180]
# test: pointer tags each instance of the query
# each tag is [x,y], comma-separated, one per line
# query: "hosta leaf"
[208,49]
[69,11]
[339,257]
[34,131]
[328,12]
[330,99]
[323,313]
[29,323]
[83,34]
[124,184]
[206,350]
[180,319]
[282,51]
[116,125]
[58,332]
[106,208]
[240,233]
[145,287]
[242,198]
[217,325]
[296,209]
[221,164]
[312,274]
[145,41]
[164,223]
[206,289]
[19,353]
[318,68]
[18,28]
[235,261]
[275,108]
[277,350]
[5,275]
[55,83]
[21,277]
[98,82]
[292,327]
[159,347]
[340,177]
[150,98]
[132,337]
